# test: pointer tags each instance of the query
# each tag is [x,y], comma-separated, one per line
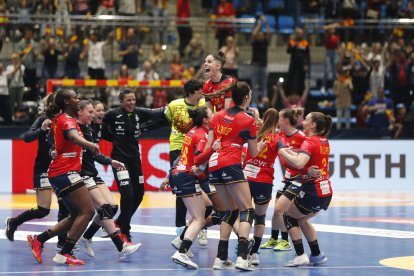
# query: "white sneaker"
[58,247]
[202,237]
[254,259]
[222,265]
[103,233]
[128,249]
[179,230]
[184,260]
[244,264]
[87,246]
[176,243]
[298,261]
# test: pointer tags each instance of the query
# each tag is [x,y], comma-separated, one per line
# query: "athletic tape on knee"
[230,217]
[105,212]
[259,220]
[209,210]
[247,215]
[114,209]
[217,217]
[290,222]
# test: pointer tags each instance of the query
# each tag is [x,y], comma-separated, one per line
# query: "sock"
[243,247]
[67,246]
[116,239]
[43,237]
[34,213]
[298,247]
[257,242]
[285,236]
[275,234]
[91,231]
[314,247]
[223,250]
[185,246]
[183,233]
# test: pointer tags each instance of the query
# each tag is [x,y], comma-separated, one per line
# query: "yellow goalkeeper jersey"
[181,122]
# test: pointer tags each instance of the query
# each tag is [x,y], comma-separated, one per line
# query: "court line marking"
[215,234]
[183,269]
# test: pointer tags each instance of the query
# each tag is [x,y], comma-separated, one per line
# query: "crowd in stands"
[369,79]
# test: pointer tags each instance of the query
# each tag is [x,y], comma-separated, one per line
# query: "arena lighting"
[164,47]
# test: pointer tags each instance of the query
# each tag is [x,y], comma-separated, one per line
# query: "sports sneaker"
[9,229]
[128,249]
[202,237]
[282,245]
[103,233]
[269,244]
[36,247]
[298,261]
[244,264]
[184,260]
[59,246]
[176,243]
[254,259]
[87,246]
[67,259]
[318,260]
[222,265]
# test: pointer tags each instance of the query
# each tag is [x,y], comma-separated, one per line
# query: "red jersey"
[294,141]
[233,126]
[211,87]
[260,168]
[317,147]
[194,141]
[69,156]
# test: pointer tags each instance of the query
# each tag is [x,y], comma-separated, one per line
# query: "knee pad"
[217,217]
[290,222]
[259,220]
[247,216]
[40,212]
[105,212]
[230,217]
[114,209]
[209,210]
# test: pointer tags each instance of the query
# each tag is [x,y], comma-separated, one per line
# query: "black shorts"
[261,192]
[292,190]
[207,187]
[41,182]
[307,203]
[98,180]
[184,184]
[66,183]
[227,175]
[89,182]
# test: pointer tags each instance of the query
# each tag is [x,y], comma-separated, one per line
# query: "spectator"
[130,50]
[72,56]
[231,53]
[147,74]
[106,7]
[343,89]
[185,33]
[176,68]
[376,77]
[23,11]
[28,50]
[94,50]
[189,73]
[224,10]
[299,67]
[400,78]
[381,113]
[124,74]
[260,43]
[15,73]
[129,7]
[194,53]
[331,43]
[407,131]
[158,59]
[5,112]
[63,8]
[50,61]
[80,7]
[292,100]
[159,11]
[397,126]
